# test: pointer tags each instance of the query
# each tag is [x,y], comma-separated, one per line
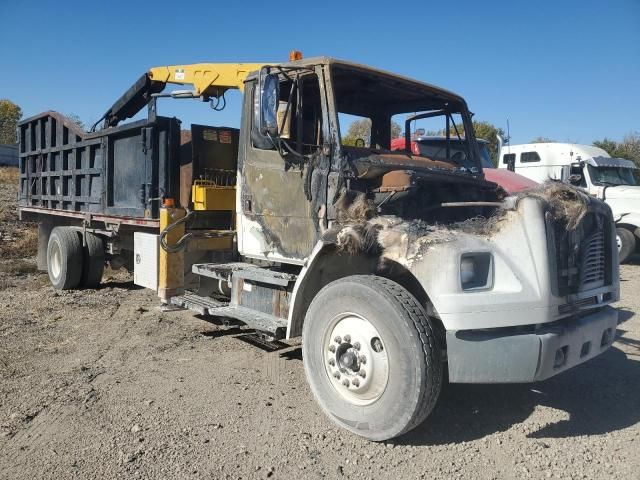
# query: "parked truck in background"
[435,147]
[392,266]
[612,180]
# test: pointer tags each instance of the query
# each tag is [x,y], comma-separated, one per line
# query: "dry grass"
[18,267]
[9,175]
[6,214]
[21,243]
[27,244]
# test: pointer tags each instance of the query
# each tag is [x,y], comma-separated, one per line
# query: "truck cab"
[590,168]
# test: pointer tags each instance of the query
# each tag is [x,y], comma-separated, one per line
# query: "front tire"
[64,258]
[627,243]
[371,357]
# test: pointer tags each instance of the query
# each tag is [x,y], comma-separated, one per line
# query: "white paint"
[145,260]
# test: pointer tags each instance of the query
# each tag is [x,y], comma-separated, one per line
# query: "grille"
[582,255]
[593,261]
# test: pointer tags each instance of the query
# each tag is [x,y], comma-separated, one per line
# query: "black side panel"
[118,171]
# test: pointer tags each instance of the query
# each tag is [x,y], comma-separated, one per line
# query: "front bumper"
[521,355]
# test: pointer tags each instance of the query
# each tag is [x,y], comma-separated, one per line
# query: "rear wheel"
[626,243]
[64,258]
[370,356]
[93,265]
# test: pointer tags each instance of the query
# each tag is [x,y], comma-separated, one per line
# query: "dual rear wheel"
[70,264]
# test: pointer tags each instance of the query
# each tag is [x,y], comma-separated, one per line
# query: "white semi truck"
[393,267]
[590,168]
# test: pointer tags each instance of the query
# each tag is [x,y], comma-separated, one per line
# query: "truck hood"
[510,181]
[622,192]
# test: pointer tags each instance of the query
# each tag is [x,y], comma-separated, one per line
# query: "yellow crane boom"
[208,80]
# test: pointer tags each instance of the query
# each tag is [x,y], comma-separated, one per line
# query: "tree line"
[628,147]
[11,114]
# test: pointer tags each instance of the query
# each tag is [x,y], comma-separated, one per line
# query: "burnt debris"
[360,228]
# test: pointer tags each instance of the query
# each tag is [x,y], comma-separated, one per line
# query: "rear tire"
[627,243]
[64,258]
[93,265]
[371,356]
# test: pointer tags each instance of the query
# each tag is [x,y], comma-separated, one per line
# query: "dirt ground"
[101,384]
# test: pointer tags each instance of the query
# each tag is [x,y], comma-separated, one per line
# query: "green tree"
[361,130]
[542,140]
[10,115]
[608,145]
[396,129]
[489,132]
[628,148]
[75,119]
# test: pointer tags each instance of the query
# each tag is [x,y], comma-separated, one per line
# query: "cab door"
[282,181]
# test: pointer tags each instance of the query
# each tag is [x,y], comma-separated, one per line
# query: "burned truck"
[397,270]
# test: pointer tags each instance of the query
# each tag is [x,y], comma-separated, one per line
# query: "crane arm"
[208,80]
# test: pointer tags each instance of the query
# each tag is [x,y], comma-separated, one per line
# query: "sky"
[568,70]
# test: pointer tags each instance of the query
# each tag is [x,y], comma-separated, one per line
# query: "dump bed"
[122,171]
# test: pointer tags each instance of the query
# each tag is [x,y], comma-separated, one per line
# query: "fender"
[322,266]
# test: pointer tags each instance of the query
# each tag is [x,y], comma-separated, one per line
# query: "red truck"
[435,149]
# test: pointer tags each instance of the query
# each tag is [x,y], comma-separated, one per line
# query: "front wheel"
[370,356]
[626,243]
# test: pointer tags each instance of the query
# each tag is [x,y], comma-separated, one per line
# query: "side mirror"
[575,179]
[269,89]
[576,169]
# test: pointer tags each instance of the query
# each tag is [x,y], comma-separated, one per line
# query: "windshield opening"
[375,111]
[435,148]
[611,176]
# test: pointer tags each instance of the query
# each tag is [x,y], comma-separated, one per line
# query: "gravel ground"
[101,384]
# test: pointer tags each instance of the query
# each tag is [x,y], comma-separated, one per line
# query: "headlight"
[476,271]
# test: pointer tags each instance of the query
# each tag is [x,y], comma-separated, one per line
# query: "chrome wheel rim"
[355,359]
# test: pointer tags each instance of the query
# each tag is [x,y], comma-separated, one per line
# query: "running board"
[246,271]
[259,321]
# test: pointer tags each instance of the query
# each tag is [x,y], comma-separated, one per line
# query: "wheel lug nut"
[356,345]
[332,348]
[362,373]
[337,375]
[356,382]
[338,339]
[347,338]
[362,359]
[345,382]
[332,362]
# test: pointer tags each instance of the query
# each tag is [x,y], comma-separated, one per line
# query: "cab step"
[263,322]
[246,271]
